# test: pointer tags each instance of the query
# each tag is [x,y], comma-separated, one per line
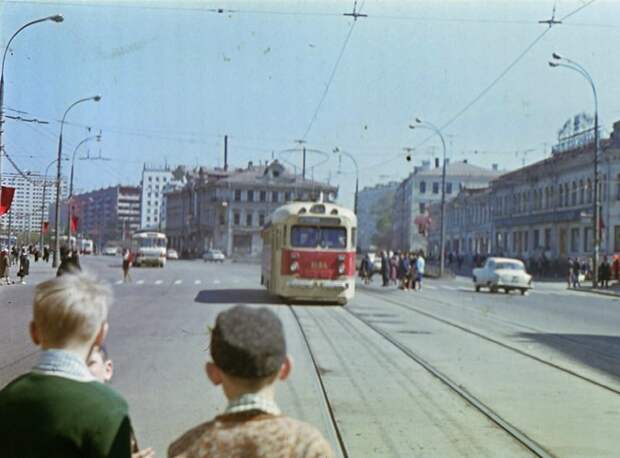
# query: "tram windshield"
[323,237]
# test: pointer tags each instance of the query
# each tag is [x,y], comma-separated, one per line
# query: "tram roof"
[282,213]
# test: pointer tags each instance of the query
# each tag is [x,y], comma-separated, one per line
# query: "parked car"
[502,273]
[213,256]
[172,254]
[110,251]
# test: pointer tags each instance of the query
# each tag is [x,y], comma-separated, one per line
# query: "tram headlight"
[294,266]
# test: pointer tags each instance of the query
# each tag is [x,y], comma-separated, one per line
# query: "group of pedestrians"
[20,260]
[403,269]
[580,270]
[64,408]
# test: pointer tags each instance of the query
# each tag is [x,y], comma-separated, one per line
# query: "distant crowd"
[403,269]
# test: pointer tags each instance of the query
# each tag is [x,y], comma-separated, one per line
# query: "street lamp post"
[559,61]
[95,98]
[55,18]
[43,203]
[69,208]
[357,175]
[442,236]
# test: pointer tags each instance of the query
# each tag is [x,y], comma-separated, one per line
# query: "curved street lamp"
[43,201]
[95,98]
[54,18]
[560,61]
[92,137]
[357,174]
[442,236]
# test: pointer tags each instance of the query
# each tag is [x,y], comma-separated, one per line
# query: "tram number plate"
[318,265]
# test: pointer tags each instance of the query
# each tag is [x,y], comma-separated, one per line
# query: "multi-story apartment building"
[28,206]
[109,214]
[370,204]
[545,208]
[155,180]
[421,189]
[226,209]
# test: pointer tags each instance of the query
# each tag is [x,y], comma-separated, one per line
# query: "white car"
[172,254]
[110,251]
[502,273]
[213,256]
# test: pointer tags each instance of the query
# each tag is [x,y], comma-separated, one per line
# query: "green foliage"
[382,211]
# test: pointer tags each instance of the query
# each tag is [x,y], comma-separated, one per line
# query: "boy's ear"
[214,373]
[102,334]
[286,368]
[109,370]
[34,333]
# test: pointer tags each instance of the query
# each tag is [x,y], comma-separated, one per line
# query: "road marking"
[197,282]
[429,287]
[236,280]
[451,288]
[158,282]
[140,282]
[178,282]
[216,282]
[118,282]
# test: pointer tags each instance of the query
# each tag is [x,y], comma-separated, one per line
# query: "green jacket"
[55,417]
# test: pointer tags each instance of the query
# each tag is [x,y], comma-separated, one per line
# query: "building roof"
[460,168]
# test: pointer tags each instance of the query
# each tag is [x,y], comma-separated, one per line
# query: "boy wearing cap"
[59,409]
[249,354]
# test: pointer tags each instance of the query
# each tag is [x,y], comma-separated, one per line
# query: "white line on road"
[216,282]
[158,282]
[140,282]
[118,282]
[178,282]
[451,288]
[197,282]
[429,287]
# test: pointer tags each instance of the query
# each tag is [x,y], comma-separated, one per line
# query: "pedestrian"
[570,272]
[14,255]
[364,268]
[65,262]
[576,274]
[24,267]
[604,273]
[403,271]
[59,409]
[46,253]
[385,269]
[126,265]
[420,266]
[413,274]
[36,255]
[75,261]
[394,269]
[4,266]
[248,349]
[102,368]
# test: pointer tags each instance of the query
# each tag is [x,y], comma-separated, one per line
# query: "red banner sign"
[6,199]
[46,227]
[74,223]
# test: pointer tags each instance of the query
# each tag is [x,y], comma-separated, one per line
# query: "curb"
[599,292]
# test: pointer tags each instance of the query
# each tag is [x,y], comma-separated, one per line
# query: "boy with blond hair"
[249,355]
[59,409]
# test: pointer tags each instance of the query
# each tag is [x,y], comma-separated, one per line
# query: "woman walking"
[126,265]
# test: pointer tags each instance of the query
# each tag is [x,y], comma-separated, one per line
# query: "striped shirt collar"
[252,401]
[63,364]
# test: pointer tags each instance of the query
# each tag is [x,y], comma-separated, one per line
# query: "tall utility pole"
[225,153]
[303,161]
[357,175]
[559,61]
[442,236]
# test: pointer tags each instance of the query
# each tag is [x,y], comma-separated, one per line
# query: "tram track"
[493,340]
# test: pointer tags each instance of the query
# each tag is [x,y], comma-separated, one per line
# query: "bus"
[148,248]
[86,246]
[309,252]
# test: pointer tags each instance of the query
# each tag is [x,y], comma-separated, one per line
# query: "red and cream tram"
[309,252]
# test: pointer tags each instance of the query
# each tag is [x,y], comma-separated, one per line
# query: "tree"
[382,213]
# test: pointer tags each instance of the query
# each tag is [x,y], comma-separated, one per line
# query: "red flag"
[46,227]
[7,199]
[74,223]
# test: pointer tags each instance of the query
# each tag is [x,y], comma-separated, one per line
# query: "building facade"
[421,189]
[368,212]
[28,206]
[104,215]
[226,209]
[155,182]
[544,209]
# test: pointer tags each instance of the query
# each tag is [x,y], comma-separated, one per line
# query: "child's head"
[100,364]
[70,312]
[248,350]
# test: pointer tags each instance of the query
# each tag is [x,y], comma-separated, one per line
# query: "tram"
[309,252]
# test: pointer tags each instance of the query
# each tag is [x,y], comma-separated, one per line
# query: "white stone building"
[153,211]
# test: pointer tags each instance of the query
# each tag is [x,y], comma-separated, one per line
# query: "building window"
[148,219]
[262,196]
[536,239]
[248,219]
[250,196]
[275,196]
[526,241]
[561,196]
[448,188]
[587,240]
[422,187]
[287,196]
[150,178]
[566,195]
[574,194]
[236,219]
[574,239]
[237,195]
[222,218]
[156,178]
[582,192]
[261,219]
[435,187]
[422,207]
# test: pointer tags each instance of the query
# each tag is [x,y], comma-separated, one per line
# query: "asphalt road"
[540,370]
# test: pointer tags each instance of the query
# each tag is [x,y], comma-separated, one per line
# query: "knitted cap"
[248,342]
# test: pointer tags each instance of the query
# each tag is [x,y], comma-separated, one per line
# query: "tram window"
[353,237]
[324,237]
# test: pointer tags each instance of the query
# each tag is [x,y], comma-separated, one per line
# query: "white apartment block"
[154,180]
[28,205]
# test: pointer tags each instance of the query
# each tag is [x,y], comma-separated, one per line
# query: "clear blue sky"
[175,78]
